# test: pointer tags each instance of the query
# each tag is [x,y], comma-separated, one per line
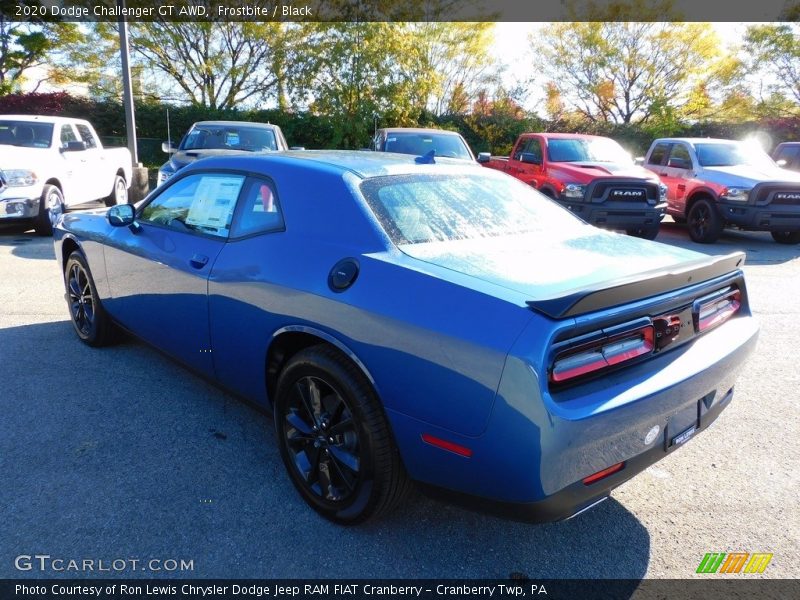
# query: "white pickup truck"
[48,164]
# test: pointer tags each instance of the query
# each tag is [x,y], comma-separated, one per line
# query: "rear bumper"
[770,217]
[531,460]
[616,215]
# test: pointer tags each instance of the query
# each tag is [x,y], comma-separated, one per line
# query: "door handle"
[198,261]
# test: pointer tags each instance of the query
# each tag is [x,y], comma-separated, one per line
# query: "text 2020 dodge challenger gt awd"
[418,320]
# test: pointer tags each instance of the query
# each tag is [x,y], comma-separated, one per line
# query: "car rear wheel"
[334,439]
[648,233]
[786,237]
[51,205]
[119,193]
[91,322]
[705,224]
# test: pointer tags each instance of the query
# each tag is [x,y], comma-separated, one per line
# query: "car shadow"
[758,245]
[26,244]
[121,452]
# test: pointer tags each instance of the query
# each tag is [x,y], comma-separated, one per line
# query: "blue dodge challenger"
[415,319]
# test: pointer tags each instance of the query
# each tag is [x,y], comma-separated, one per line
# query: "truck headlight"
[574,190]
[737,194]
[662,191]
[20,177]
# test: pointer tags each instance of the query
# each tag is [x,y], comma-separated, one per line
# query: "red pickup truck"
[592,176]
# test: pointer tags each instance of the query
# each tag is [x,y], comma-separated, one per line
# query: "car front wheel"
[334,438]
[786,237]
[91,323]
[51,205]
[705,224]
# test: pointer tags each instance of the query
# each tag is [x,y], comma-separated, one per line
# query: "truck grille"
[777,193]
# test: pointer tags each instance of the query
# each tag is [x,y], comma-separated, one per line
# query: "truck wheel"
[786,237]
[705,224]
[119,193]
[648,232]
[51,205]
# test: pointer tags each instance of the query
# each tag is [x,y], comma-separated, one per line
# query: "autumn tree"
[774,49]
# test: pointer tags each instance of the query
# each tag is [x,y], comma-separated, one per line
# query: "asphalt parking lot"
[122,454]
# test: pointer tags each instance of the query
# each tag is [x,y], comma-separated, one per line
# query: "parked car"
[419,321]
[592,176]
[787,155]
[216,138]
[52,163]
[714,183]
[419,142]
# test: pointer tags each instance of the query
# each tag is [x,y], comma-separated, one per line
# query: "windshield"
[428,208]
[587,150]
[30,134]
[229,137]
[733,154]
[448,145]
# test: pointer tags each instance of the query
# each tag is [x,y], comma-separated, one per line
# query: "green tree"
[621,72]
[33,53]
[774,49]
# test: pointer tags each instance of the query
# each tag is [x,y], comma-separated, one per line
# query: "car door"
[158,269]
[676,174]
[76,169]
[529,155]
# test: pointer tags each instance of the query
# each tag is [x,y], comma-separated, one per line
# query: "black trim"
[643,285]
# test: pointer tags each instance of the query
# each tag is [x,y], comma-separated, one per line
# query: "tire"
[119,193]
[705,224]
[786,237]
[51,205]
[92,324]
[648,232]
[355,474]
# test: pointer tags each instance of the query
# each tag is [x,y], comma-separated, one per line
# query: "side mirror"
[168,147]
[678,163]
[74,146]
[530,158]
[121,215]
[297,147]
[484,157]
[639,160]
[781,163]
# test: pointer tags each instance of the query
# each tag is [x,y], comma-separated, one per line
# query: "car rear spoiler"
[643,285]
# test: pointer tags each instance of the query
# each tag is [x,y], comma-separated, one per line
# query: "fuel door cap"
[343,274]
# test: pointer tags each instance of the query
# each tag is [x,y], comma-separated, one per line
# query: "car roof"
[568,136]
[234,123]
[43,119]
[418,130]
[363,163]
[695,140]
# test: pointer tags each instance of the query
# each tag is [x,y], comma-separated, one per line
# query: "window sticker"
[213,202]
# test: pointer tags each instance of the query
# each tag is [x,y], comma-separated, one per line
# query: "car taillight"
[602,353]
[715,309]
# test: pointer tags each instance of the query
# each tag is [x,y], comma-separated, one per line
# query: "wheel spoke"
[74,290]
[298,423]
[345,425]
[345,478]
[346,458]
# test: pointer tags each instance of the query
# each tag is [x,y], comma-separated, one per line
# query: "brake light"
[711,311]
[602,353]
[604,473]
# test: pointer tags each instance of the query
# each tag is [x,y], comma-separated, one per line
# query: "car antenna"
[427,159]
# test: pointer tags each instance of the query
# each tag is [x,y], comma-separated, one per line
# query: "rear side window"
[658,154]
[67,135]
[200,203]
[86,135]
[260,210]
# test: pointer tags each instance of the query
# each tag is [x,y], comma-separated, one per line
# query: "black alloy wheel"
[334,439]
[705,224]
[93,326]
